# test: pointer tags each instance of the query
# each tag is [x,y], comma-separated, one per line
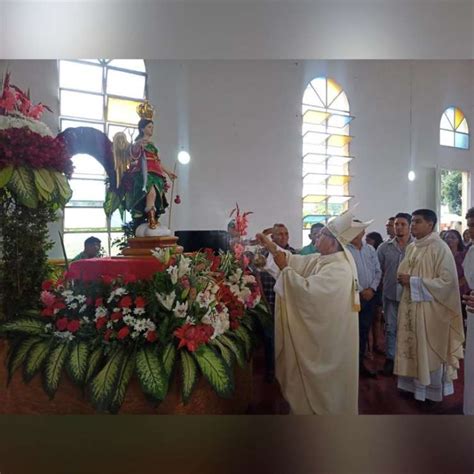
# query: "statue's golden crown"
[145,110]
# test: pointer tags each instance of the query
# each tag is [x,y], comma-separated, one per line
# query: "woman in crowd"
[455,242]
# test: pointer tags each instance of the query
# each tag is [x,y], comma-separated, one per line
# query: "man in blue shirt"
[369,274]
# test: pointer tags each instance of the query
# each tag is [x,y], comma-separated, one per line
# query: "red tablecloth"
[95,268]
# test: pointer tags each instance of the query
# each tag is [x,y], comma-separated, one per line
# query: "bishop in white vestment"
[316,322]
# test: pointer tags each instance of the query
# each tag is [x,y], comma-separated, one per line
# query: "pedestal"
[143,246]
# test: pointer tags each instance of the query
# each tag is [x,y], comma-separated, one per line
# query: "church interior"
[268,114]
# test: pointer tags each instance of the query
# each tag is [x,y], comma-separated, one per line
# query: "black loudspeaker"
[193,240]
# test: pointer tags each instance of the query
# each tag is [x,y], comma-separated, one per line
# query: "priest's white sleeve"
[271,267]
[418,291]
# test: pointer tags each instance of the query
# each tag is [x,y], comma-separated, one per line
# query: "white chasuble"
[317,335]
[430,330]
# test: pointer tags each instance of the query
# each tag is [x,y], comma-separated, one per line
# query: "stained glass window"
[326,156]
[102,94]
[453,129]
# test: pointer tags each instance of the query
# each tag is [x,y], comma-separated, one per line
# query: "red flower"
[151,336]
[59,305]
[107,334]
[177,199]
[192,336]
[61,324]
[107,279]
[99,302]
[101,322]
[234,324]
[123,333]
[129,278]
[116,316]
[216,261]
[46,285]
[73,326]
[125,302]
[140,302]
[47,312]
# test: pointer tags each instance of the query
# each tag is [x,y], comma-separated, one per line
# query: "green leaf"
[44,179]
[103,384]
[169,357]
[226,353]
[44,182]
[23,186]
[93,363]
[215,370]
[189,373]
[54,367]
[111,203]
[19,353]
[77,361]
[242,333]
[151,373]
[62,186]
[123,379]
[43,195]
[24,325]
[5,175]
[235,347]
[35,359]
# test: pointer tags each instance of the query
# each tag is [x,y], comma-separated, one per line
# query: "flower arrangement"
[34,166]
[197,315]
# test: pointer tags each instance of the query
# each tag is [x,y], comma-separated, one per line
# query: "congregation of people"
[347,296]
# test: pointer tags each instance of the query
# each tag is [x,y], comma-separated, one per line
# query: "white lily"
[180,309]
[166,300]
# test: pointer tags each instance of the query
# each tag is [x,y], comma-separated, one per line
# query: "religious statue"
[141,177]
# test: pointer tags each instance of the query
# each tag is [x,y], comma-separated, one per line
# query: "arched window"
[453,129]
[102,94]
[326,157]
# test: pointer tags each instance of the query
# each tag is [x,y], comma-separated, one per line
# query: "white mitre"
[344,227]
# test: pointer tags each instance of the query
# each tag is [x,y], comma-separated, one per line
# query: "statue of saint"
[141,177]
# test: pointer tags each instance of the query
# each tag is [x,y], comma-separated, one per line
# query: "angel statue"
[141,182]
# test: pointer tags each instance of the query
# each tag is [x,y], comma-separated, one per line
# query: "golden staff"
[172,193]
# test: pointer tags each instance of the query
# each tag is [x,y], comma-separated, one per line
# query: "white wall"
[241,121]
[258,29]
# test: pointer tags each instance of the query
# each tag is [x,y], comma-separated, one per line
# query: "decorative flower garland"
[34,166]
[197,315]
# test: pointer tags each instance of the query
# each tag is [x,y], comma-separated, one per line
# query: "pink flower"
[47,298]
[238,250]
